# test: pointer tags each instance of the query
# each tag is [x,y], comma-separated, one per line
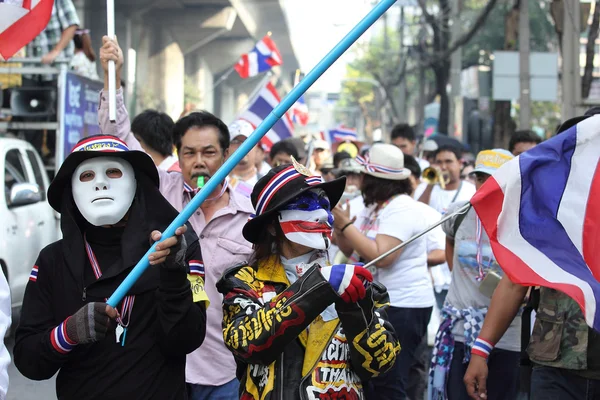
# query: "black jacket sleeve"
[257,332]
[34,355]
[373,342]
[181,321]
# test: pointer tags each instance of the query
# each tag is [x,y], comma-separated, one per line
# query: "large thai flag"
[300,112]
[20,22]
[541,211]
[262,58]
[342,134]
[266,100]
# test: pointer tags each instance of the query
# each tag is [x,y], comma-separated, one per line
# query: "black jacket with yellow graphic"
[284,348]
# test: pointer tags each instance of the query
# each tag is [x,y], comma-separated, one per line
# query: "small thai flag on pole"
[342,134]
[264,103]
[261,58]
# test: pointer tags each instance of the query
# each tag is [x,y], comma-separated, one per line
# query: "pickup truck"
[28,223]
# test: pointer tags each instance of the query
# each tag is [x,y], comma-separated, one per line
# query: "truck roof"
[12,142]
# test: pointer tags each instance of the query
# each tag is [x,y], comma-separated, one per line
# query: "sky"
[316,26]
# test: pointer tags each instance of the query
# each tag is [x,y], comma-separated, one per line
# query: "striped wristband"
[482,348]
[59,339]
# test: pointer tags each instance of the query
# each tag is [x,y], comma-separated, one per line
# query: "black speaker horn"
[33,101]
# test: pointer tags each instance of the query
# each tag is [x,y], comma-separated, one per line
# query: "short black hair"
[404,131]
[156,130]
[376,190]
[339,156]
[284,146]
[450,148]
[200,119]
[412,165]
[524,136]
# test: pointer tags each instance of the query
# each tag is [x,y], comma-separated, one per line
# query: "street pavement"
[21,388]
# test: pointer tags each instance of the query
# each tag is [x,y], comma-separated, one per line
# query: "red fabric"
[19,34]
[591,227]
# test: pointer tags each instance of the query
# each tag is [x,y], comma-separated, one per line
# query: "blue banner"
[80,117]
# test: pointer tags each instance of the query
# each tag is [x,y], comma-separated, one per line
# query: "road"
[21,388]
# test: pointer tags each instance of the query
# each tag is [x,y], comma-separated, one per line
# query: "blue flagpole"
[271,119]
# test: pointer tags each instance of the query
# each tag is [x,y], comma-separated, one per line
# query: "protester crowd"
[275,288]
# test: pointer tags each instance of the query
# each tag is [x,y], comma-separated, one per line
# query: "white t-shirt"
[407,279]
[357,204]
[422,163]
[436,238]
[440,199]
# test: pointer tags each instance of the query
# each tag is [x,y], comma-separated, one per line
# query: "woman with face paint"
[391,216]
[299,327]
[111,212]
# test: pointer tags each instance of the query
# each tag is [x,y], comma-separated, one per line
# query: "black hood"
[149,211]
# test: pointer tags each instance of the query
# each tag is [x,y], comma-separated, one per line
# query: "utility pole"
[382,105]
[571,76]
[524,72]
[402,86]
[422,81]
[455,66]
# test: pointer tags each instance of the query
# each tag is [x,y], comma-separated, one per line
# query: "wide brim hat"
[384,161]
[276,189]
[94,147]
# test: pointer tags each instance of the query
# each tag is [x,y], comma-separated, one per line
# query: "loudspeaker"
[33,101]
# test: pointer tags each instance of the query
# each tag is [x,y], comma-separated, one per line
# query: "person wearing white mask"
[111,212]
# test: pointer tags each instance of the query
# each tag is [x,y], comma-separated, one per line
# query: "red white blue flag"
[262,58]
[342,134]
[266,100]
[20,22]
[541,212]
[300,112]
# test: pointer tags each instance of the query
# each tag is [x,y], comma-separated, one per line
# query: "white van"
[27,222]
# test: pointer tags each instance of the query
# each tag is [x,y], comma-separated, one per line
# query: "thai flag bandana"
[277,182]
[106,144]
[372,167]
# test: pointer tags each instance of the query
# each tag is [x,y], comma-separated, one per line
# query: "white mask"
[103,189]
[308,221]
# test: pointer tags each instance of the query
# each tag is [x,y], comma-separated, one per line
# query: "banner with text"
[80,115]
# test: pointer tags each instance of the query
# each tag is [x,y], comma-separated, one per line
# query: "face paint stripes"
[273,186]
[306,227]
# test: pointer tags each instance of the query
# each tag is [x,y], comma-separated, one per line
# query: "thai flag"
[196,268]
[541,211]
[300,112]
[266,100]
[342,134]
[33,274]
[20,22]
[261,58]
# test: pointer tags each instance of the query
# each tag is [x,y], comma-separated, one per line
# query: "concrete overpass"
[175,48]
